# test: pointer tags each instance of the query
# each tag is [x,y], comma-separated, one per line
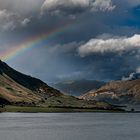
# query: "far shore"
[28,109]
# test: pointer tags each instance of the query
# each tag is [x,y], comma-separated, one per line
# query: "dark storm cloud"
[90,22]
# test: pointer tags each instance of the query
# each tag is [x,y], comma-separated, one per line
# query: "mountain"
[78,87]
[23,90]
[19,88]
[119,92]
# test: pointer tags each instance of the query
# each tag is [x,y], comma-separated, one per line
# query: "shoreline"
[27,109]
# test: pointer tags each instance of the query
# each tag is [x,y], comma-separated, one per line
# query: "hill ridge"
[117,92]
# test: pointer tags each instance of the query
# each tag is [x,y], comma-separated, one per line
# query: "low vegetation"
[55,109]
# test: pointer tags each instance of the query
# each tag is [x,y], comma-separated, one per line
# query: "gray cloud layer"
[9,20]
[72,7]
[22,7]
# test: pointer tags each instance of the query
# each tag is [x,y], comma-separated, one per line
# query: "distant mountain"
[78,87]
[20,89]
[119,92]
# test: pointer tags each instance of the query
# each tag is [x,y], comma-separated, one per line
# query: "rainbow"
[32,42]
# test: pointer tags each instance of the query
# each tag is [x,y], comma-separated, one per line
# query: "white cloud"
[102,5]
[130,77]
[76,6]
[133,76]
[25,22]
[118,44]
[10,20]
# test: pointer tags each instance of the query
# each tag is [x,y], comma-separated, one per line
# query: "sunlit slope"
[117,92]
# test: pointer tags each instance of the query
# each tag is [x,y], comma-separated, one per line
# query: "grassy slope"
[14,92]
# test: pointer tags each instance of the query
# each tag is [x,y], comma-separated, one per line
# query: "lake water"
[69,126]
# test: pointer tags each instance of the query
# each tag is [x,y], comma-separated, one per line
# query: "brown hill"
[16,87]
[117,92]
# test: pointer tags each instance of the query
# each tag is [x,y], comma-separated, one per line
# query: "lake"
[70,126]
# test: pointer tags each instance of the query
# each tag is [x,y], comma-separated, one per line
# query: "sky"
[71,39]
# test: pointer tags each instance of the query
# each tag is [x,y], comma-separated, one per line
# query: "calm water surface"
[69,126]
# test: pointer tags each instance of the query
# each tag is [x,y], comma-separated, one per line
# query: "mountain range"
[23,90]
